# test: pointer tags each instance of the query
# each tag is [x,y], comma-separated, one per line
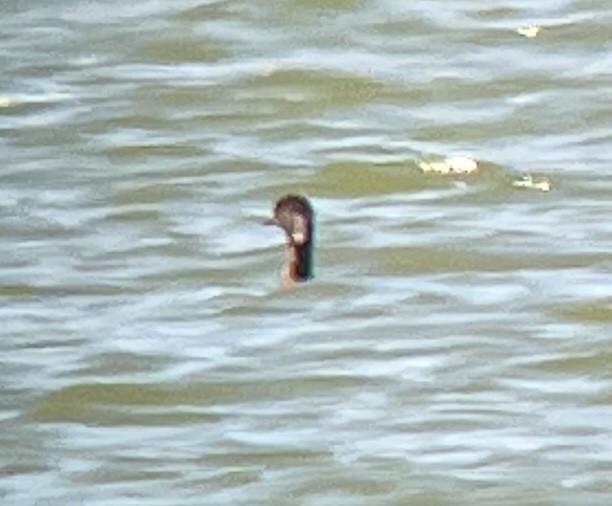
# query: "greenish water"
[455,345]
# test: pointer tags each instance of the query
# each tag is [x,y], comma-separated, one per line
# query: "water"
[454,347]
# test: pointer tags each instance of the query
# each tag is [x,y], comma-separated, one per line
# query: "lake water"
[455,346]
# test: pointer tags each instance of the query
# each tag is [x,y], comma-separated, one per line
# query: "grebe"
[294,214]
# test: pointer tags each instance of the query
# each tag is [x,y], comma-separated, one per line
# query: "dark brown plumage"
[294,214]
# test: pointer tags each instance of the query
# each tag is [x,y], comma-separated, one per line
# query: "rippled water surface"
[455,347]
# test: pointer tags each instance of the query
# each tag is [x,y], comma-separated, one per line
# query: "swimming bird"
[294,214]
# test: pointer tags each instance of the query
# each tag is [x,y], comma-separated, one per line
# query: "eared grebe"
[294,214]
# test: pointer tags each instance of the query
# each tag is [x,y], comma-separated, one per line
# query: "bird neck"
[299,263]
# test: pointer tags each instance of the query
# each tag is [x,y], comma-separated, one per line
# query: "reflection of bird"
[294,214]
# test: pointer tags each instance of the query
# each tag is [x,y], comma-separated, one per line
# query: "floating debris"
[462,164]
[451,165]
[439,167]
[5,102]
[528,182]
[531,32]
